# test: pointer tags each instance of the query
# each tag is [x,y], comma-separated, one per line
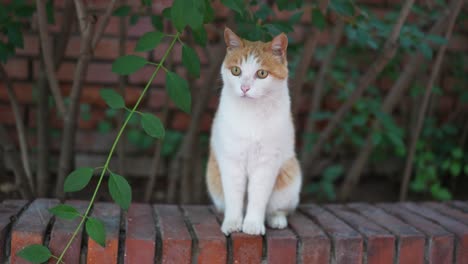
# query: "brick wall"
[24,69]
[344,234]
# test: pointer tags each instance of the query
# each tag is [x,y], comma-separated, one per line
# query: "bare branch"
[47,57]
[70,121]
[65,31]
[389,50]
[42,177]
[19,125]
[183,156]
[121,147]
[320,80]
[102,26]
[11,157]
[394,95]
[301,71]
[427,95]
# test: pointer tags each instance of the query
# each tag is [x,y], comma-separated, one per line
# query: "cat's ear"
[279,45]
[232,40]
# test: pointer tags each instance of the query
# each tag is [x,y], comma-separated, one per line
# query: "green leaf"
[96,231]
[191,61]
[179,91]
[157,22]
[134,19]
[15,36]
[376,138]
[120,190]
[146,2]
[180,10]
[200,36]
[112,98]
[342,7]
[236,5]
[209,13]
[24,11]
[425,49]
[78,179]
[152,125]
[122,11]
[465,169]
[149,41]
[439,40]
[65,211]
[50,12]
[104,127]
[128,64]
[331,173]
[318,19]
[35,253]
[296,18]
[455,169]
[457,153]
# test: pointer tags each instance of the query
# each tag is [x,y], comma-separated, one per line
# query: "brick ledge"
[425,232]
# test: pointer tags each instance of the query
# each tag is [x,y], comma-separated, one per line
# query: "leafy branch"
[119,188]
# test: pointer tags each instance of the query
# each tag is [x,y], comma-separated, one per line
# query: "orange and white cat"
[252,138]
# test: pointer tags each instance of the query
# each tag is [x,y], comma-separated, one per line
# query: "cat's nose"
[245,88]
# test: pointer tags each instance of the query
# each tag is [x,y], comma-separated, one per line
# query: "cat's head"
[254,69]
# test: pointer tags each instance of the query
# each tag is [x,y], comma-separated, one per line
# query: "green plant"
[179,93]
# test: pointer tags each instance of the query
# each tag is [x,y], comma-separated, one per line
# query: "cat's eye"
[236,71]
[262,74]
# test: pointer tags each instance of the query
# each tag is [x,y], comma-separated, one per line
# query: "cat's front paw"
[253,227]
[231,225]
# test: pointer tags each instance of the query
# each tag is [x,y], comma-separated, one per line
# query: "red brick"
[23,92]
[143,76]
[157,98]
[380,244]
[62,232]
[6,115]
[140,234]
[180,121]
[347,243]
[314,243]
[211,241]
[174,235]
[458,43]
[17,68]
[410,242]
[141,27]
[9,210]
[457,228]
[31,227]
[439,245]
[112,27]
[109,214]
[245,248]
[281,246]
[97,72]
[31,46]
[107,48]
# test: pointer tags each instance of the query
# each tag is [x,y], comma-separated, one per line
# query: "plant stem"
[114,145]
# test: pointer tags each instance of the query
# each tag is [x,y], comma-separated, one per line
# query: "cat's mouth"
[247,96]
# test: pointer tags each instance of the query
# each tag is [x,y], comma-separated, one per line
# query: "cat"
[252,138]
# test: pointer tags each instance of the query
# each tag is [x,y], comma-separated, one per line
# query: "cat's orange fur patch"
[288,172]
[213,176]
[275,64]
